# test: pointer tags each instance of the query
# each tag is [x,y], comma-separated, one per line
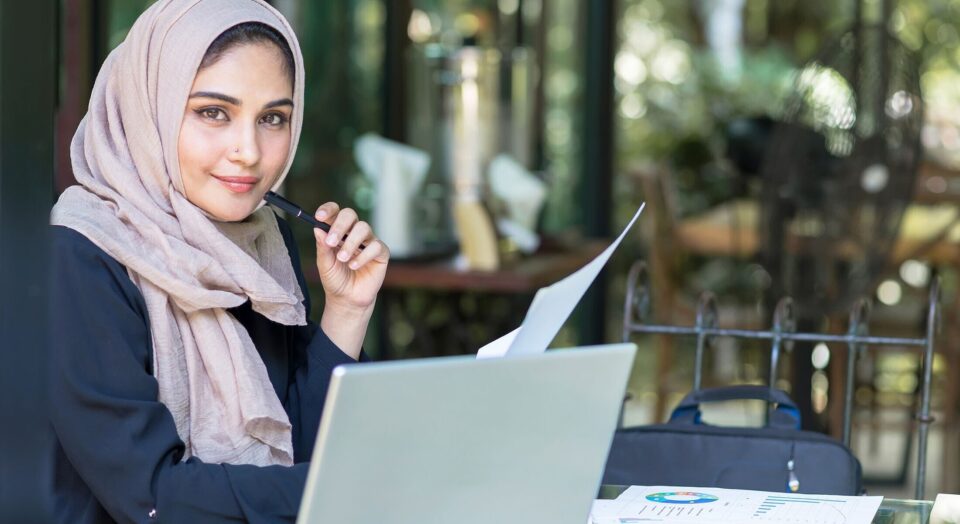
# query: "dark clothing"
[117,455]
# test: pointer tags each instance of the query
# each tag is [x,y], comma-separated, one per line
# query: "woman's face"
[235,134]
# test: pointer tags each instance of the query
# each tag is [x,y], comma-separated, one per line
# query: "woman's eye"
[212,113]
[274,119]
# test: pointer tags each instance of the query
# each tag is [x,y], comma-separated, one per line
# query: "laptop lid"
[460,440]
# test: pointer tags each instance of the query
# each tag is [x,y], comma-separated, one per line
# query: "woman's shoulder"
[79,267]
[64,238]
[69,246]
[77,263]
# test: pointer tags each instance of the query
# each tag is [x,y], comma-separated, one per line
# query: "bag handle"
[785,414]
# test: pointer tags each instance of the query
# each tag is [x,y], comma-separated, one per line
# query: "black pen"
[289,207]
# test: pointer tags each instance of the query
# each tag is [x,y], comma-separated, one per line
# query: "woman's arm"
[313,356]
[118,438]
[346,325]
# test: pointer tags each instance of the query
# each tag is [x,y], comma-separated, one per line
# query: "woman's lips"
[238,184]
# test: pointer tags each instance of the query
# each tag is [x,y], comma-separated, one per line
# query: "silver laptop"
[460,440]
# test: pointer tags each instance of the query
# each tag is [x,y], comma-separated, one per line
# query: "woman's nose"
[246,150]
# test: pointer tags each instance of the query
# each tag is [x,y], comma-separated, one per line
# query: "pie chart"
[681,497]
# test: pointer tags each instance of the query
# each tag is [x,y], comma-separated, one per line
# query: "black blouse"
[117,455]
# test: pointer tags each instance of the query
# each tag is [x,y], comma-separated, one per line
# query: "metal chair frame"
[636,313]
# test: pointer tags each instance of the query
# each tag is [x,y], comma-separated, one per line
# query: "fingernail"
[321,215]
[354,265]
[331,240]
[343,256]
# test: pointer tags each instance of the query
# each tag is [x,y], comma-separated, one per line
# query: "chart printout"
[685,505]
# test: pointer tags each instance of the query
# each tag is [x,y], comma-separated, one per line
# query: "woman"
[187,382]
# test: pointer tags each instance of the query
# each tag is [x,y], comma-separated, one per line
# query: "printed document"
[551,307]
[684,505]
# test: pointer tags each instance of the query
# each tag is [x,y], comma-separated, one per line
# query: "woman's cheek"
[204,144]
[275,156]
[197,149]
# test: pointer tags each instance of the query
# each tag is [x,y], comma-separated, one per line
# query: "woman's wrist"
[346,325]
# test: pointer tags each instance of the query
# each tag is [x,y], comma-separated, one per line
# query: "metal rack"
[636,315]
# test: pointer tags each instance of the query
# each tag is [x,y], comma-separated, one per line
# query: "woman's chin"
[228,206]
[233,213]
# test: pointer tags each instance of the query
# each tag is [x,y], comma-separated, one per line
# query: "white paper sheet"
[684,505]
[551,307]
[946,509]
[498,347]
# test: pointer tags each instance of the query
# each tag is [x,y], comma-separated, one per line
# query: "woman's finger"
[323,213]
[360,233]
[340,226]
[326,211]
[375,250]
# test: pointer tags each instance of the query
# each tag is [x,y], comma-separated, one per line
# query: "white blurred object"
[397,171]
[724,28]
[946,510]
[526,240]
[523,194]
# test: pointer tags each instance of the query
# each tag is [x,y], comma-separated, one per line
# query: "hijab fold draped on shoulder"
[130,202]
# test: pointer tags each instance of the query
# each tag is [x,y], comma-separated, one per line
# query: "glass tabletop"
[892,511]
[900,511]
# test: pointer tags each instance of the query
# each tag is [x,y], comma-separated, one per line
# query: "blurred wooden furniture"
[524,275]
[930,229]
[433,308]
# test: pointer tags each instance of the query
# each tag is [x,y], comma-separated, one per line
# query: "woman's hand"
[351,277]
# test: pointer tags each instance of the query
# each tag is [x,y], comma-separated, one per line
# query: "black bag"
[779,457]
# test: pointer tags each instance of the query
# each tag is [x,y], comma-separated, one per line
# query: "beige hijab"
[190,269]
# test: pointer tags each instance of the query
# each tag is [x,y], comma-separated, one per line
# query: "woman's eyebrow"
[219,96]
[235,101]
[277,103]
